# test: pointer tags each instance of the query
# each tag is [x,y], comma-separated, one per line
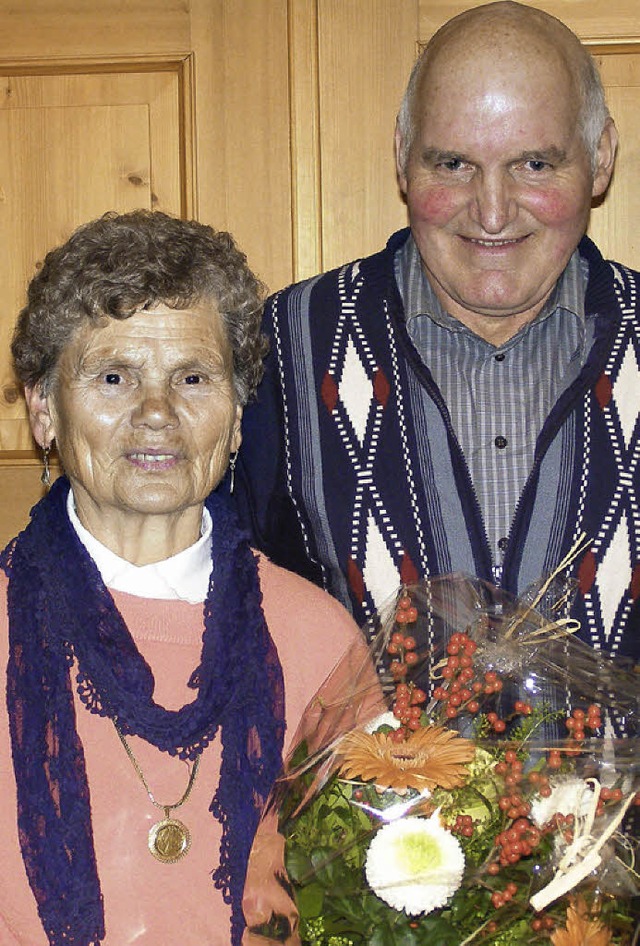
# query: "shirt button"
[501,442]
[502,543]
[500,356]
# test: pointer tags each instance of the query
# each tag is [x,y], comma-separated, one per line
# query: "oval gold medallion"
[169,840]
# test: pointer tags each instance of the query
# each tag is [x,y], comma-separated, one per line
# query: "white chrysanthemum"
[569,796]
[414,864]
[384,719]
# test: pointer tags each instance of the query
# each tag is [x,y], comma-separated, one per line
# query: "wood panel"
[239,122]
[71,147]
[20,489]
[305,139]
[248,136]
[221,155]
[361,83]
[614,224]
[591,19]
[85,29]
[36,173]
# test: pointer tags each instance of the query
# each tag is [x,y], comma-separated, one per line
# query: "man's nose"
[493,205]
[155,407]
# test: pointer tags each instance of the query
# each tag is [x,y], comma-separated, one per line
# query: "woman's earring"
[233,459]
[45,479]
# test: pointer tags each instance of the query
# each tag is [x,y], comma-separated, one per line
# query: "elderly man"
[467,399]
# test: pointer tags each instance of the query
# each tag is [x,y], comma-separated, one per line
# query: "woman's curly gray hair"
[121,263]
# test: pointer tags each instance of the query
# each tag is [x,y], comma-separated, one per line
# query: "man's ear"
[38,405]
[607,148]
[400,171]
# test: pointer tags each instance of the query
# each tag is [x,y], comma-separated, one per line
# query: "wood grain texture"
[593,20]
[365,54]
[82,29]
[71,147]
[20,489]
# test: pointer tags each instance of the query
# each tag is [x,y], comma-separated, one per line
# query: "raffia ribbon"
[551,630]
[582,856]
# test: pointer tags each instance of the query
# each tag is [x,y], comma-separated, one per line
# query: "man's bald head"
[501,31]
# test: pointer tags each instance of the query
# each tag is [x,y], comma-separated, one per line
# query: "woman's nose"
[155,408]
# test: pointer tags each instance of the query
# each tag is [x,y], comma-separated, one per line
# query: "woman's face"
[144,414]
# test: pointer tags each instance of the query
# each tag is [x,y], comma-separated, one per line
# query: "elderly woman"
[154,661]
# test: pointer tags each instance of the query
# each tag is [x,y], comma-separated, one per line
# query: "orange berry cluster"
[462,690]
[613,795]
[521,837]
[541,922]
[407,709]
[406,613]
[407,706]
[500,897]
[519,840]
[463,825]
[583,719]
[402,647]
[512,802]
[564,824]
[539,780]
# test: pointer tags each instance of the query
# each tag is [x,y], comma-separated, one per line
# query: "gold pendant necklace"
[169,839]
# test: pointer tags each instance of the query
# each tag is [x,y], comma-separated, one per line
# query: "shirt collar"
[420,299]
[183,577]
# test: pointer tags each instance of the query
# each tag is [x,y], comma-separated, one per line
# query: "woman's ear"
[40,417]
[236,432]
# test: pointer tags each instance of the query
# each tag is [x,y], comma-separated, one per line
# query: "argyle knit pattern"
[351,473]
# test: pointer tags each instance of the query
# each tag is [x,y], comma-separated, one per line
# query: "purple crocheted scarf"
[59,609]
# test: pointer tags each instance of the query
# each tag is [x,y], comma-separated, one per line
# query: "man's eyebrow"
[551,154]
[435,155]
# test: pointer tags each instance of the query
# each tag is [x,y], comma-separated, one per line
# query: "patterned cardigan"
[350,472]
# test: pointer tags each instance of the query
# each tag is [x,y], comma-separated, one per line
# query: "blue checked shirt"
[498,398]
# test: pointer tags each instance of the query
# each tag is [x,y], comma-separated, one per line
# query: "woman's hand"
[268,902]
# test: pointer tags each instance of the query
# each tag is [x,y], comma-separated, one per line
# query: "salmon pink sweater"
[148,903]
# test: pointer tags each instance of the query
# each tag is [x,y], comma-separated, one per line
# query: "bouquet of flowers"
[479,787]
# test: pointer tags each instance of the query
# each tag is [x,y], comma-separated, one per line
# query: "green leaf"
[310,900]
[440,932]
[329,868]
[381,936]
[299,865]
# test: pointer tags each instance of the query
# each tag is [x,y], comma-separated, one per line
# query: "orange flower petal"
[431,756]
[582,929]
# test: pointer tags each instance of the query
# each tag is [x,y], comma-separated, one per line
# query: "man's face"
[498,185]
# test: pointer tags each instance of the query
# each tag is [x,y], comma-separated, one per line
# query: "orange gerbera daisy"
[431,756]
[582,929]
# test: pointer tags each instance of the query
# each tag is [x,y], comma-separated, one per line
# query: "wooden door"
[73,144]
[350,60]
[71,147]
[180,106]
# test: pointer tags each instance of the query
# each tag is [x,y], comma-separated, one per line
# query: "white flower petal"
[569,796]
[414,864]
[384,719]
